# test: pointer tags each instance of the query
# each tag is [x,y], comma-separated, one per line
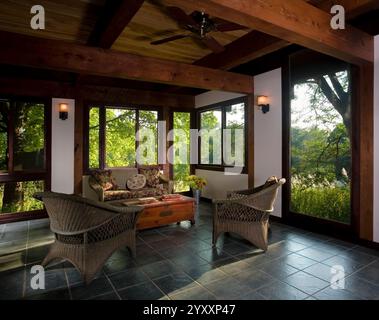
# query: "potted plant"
[196,184]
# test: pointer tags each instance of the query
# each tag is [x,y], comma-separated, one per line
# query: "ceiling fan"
[199,25]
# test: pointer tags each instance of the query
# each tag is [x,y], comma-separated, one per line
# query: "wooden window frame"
[30,175]
[222,106]
[102,132]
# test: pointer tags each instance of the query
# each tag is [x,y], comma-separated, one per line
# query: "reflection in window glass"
[29,136]
[4,114]
[120,138]
[18,196]
[94,137]
[210,148]
[148,131]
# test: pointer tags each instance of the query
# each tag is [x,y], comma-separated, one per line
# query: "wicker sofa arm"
[168,184]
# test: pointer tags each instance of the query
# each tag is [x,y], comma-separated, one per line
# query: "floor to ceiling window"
[24,157]
[320,132]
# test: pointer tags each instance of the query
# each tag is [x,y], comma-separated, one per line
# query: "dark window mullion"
[137,138]
[102,133]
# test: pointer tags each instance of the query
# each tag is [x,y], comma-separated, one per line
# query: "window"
[181,152]
[321,136]
[222,134]
[23,154]
[119,136]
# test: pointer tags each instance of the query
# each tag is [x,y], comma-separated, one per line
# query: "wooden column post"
[363,151]
[78,142]
[250,140]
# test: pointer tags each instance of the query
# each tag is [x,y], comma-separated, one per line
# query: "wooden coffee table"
[162,212]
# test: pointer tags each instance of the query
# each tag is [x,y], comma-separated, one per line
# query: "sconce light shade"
[262,102]
[63,111]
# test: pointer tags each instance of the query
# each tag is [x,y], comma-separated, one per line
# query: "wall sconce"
[262,102]
[63,111]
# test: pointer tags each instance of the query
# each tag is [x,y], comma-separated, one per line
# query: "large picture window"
[23,154]
[222,134]
[115,134]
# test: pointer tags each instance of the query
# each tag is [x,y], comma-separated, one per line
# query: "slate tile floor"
[178,262]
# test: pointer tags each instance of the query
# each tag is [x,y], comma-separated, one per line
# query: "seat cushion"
[131,194]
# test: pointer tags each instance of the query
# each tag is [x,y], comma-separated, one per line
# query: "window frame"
[28,175]
[102,132]
[222,106]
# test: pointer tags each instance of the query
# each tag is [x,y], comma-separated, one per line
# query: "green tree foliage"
[321,147]
[28,151]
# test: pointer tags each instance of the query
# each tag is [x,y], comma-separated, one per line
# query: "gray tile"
[213,255]
[145,291]
[160,269]
[205,273]
[235,267]
[358,256]
[297,261]
[127,278]
[255,279]
[349,265]
[196,293]
[174,283]
[336,294]
[306,282]
[315,254]
[277,270]
[60,294]
[97,287]
[12,284]
[281,291]
[55,279]
[107,296]
[228,288]
[253,295]
[362,288]
[322,271]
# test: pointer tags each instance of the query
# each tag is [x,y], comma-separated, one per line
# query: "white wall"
[62,148]
[214,96]
[218,182]
[268,132]
[376,142]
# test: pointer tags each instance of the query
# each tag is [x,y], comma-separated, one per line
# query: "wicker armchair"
[88,232]
[246,213]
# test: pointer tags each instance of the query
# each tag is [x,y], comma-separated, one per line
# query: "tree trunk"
[13,197]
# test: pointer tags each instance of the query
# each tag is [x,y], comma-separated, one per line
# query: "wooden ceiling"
[71,20]
[131,30]
[152,23]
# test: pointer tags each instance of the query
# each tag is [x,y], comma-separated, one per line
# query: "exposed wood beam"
[116,16]
[353,8]
[34,52]
[295,21]
[249,47]
[93,93]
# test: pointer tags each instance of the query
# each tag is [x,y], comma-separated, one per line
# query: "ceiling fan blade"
[229,26]
[180,16]
[173,38]
[212,44]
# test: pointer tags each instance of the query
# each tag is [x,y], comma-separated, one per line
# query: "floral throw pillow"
[152,176]
[104,179]
[136,182]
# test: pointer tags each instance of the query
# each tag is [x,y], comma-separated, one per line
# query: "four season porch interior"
[144,87]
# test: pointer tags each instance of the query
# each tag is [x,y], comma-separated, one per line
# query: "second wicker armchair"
[247,212]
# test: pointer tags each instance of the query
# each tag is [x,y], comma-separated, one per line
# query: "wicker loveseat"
[247,212]
[88,232]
